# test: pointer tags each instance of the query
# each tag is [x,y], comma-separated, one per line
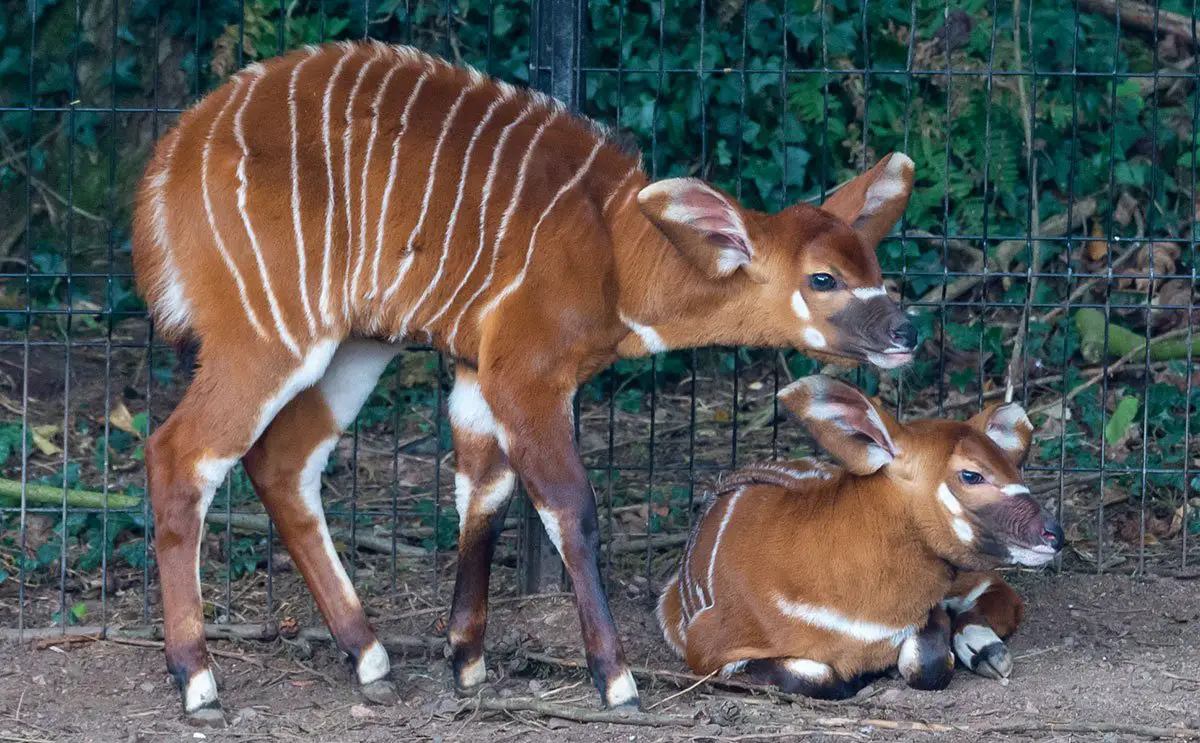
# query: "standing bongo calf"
[316,212]
[817,578]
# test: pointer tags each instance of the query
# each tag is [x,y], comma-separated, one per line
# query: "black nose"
[1052,535]
[905,335]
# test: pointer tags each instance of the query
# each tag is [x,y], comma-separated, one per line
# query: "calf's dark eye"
[970,478]
[822,282]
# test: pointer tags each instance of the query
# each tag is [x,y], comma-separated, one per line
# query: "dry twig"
[577,714]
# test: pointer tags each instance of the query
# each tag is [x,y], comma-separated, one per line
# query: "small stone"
[146,686]
[361,712]
[555,723]
[535,686]
[1030,709]
[207,717]
[1166,685]
[380,691]
[39,679]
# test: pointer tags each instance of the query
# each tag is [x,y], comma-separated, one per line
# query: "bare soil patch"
[1096,650]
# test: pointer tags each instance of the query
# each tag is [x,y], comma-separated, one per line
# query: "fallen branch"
[1135,350]
[625,546]
[1121,342]
[260,523]
[1144,17]
[861,722]
[1144,731]
[686,680]
[1055,226]
[576,714]
[259,632]
[52,495]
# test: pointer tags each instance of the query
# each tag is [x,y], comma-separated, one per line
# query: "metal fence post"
[554,69]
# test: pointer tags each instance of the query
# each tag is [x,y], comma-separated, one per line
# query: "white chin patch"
[889,360]
[1033,558]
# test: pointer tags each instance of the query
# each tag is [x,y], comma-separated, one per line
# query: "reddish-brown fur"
[804,561]
[258,236]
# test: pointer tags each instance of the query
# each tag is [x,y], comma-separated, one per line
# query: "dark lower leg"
[579,545]
[468,613]
[926,661]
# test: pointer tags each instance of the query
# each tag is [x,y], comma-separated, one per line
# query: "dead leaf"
[41,439]
[1161,263]
[121,419]
[1126,207]
[1097,249]
[1176,525]
[1114,495]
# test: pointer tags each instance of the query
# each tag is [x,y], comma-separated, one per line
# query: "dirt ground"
[1095,649]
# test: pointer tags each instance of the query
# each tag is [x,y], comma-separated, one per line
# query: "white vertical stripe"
[686,582]
[172,309]
[462,186]
[347,151]
[484,199]
[212,222]
[297,223]
[391,181]
[430,180]
[608,201]
[520,278]
[712,560]
[366,169]
[326,311]
[512,207]
[243,186]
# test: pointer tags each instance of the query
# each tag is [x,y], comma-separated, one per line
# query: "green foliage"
[768,99]
[1120,421]
[10,441]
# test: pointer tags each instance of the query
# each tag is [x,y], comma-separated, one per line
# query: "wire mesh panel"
[1052,231]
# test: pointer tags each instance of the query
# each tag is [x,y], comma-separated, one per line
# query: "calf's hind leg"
[985,612]
[802,676]
[225,409]
[285,465]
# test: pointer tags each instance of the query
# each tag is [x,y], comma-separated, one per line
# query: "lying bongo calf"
[817,578]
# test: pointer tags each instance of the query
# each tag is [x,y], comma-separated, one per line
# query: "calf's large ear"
[705,225]
[844,422]
[1008,426]
[874,202]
